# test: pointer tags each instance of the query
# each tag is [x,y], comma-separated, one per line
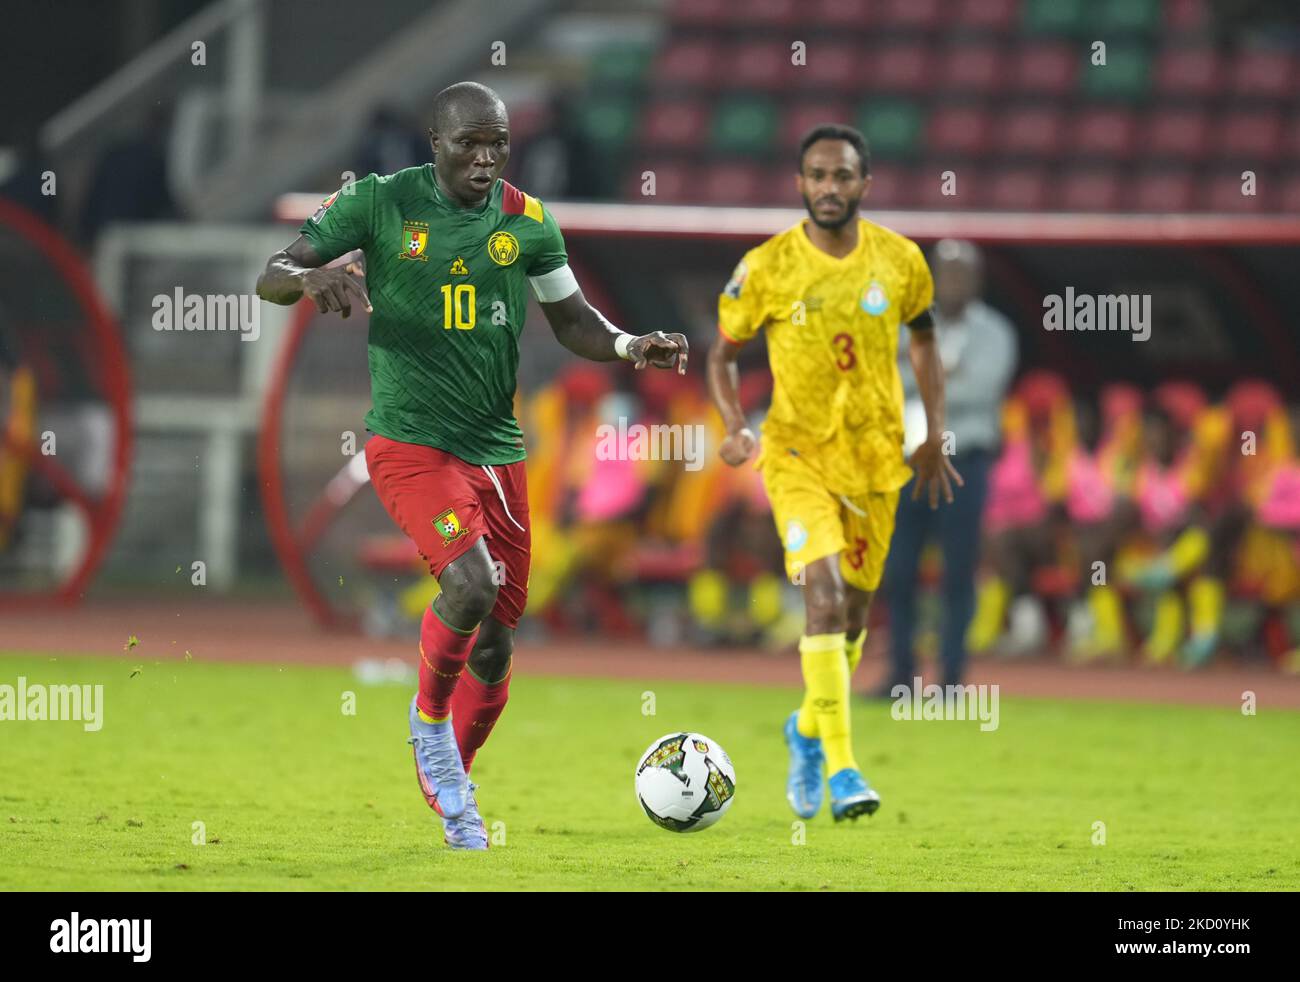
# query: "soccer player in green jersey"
[448,248]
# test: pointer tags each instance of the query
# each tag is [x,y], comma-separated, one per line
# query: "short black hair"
[463,97]
[837,131]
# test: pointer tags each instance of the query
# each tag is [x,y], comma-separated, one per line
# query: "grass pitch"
[294,794]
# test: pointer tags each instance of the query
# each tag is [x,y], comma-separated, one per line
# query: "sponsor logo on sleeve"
[324,207]
[737,281]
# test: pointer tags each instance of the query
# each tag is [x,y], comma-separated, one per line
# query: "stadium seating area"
[1004,93]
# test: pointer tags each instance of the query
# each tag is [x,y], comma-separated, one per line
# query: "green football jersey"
[449,290]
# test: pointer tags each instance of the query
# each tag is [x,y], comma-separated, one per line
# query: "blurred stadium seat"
[977,68]
[1030,132]
[963,130]
[1176,134]
[1105,134]
[1016,189]
[1163,191]
[1094,189]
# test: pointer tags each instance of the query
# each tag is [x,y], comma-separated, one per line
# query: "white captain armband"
[554,286]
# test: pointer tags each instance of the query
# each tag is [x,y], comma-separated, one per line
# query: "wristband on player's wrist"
[621,345]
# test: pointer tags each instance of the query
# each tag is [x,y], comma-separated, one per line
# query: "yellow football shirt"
[832,340]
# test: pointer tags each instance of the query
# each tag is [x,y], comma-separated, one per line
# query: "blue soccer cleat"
[438,765]
[850,795]
[803,788]
[468,831]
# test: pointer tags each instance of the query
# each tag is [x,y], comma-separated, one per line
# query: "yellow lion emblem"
[503,248]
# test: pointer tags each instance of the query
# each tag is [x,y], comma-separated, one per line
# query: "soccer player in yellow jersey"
[830,293]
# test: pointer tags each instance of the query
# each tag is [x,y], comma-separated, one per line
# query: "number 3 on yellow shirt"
[463,303]
[845,357]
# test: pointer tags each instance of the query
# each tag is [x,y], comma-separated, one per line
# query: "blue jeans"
[958,529]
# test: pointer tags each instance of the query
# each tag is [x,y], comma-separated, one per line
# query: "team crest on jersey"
[415,237]
[733,287]
[874,300]
[324,207]
[449,527]
[458,268]
[503,248]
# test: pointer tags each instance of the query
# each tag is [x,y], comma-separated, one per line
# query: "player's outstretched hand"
[738,447]
[934,471]
[332,288]
[660,350]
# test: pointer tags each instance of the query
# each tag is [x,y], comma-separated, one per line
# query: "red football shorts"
[445,505]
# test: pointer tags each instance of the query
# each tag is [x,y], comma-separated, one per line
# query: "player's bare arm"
[583,329]
[297,271]
[724,387]
[934,471]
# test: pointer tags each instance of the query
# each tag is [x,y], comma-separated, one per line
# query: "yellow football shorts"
[814,522]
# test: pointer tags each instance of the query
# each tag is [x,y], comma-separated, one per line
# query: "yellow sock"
[808,724]
[429,719]
[853,649]
[825,709]
[1167,627]
[1205,598]
[765,599]
[1188,550]
[707,596]
[990,611]
[1107,618]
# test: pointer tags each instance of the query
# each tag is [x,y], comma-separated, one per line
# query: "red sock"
[442,659]
[475,709]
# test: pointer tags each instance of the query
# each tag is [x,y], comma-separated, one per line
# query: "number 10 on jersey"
[462,303]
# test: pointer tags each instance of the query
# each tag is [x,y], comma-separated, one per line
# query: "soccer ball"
[685,782]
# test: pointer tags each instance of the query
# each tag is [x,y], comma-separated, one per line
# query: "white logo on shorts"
[796,536]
